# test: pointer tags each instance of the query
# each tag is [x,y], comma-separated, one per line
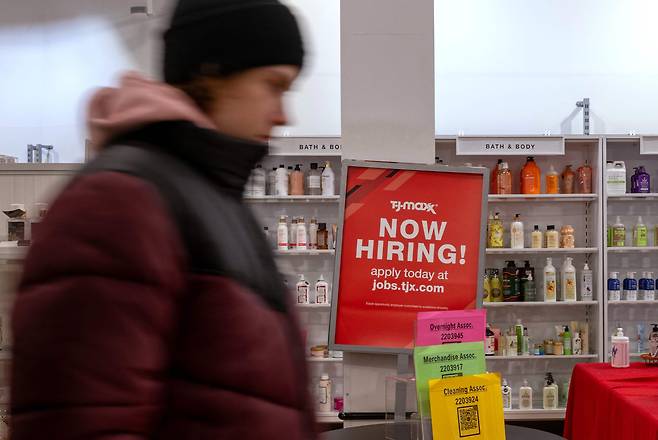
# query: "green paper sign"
[443,361]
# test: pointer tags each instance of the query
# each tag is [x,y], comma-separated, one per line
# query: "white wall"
[518,66]
[53,54]
[314,102]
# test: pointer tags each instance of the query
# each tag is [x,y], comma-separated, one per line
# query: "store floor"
[552,426]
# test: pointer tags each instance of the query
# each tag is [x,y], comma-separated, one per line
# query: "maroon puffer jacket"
[150,305]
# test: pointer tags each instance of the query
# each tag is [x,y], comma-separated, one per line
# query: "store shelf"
[632,197]
[537,198]
[638,302]
[327,417]
[304,253]
[293,199]
[535,414]
[541,358]
[542,251]
[495,305]
[315,306]
[13,253]
[632,249]
[319,359]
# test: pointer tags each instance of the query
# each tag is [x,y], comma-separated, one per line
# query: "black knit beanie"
[221,37]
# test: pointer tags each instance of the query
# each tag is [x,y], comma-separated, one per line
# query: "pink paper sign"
[436,328]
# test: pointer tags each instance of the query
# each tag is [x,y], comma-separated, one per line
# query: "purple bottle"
[641,182]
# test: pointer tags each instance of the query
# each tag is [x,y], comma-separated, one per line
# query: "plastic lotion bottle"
[653,340]
[517,233]
[630,287]
[586,286]
[297,182]
[518,331]
[259,182]
[324,394]
[282,234]
[281,186]
[507,395]
[577,344]
[328,184]
[292,235]
[314,181]
[614,287]
[567,341]
[552,237]
[549,281]
[649,289]
[321,291]
[618,233]
[313,234]
[552,181]
[640,234]
[302,234]
[530,177]
[620,356]
[569,281]
[537,238]
[302,290]
[525,396]
[550,393]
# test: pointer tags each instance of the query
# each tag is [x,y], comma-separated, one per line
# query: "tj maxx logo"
[413,206]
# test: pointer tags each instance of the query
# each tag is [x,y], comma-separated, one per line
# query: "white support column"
[387,111]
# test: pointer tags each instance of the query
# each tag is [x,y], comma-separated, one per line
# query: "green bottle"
[640,234]
[566,340]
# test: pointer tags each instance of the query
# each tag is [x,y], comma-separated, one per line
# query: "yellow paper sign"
[467,407]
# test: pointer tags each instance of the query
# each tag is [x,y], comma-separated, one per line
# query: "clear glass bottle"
[323,237]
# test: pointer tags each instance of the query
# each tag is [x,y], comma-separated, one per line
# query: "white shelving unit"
[293,199]
[319,359]
[314,318]
[327,417]
[541,198]
[632,249]
[535,414]
[630,314]
[315,253]
[584,213]
[543,358]
[542,251]
[524,304]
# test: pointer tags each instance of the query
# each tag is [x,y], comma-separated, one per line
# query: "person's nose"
[280,116]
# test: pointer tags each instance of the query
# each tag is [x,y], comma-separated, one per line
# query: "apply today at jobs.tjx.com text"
[382,276]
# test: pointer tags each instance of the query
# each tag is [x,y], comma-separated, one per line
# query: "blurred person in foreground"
[151,306]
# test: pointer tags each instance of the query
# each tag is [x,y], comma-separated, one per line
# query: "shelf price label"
[506,146]
[449,327]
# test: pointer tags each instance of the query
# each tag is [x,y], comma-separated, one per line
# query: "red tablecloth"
[612,403]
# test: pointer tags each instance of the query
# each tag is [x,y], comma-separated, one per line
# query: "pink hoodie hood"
[138,101]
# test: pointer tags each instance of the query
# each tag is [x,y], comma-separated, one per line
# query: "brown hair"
[200,89]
